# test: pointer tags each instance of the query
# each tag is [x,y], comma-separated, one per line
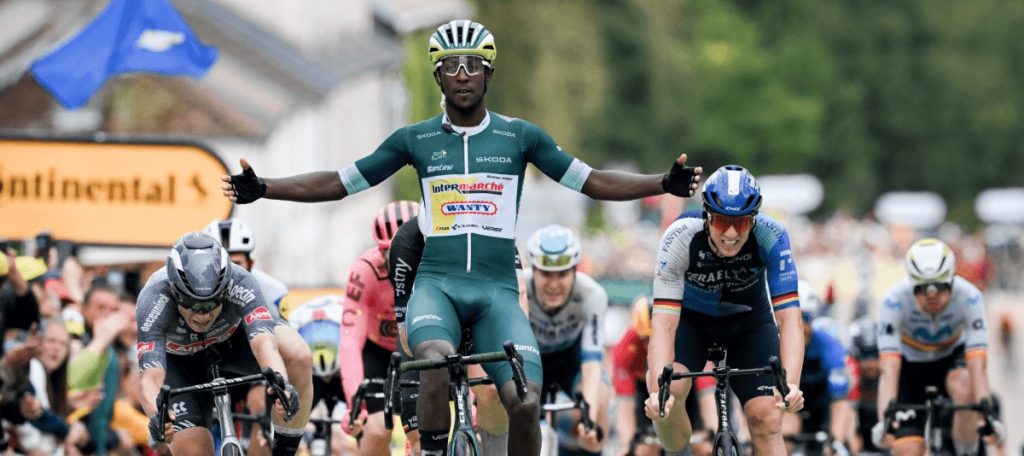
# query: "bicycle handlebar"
[774,368]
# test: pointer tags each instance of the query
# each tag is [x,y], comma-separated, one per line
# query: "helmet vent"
[184,280]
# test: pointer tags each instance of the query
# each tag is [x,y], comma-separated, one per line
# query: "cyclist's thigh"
[914,377]
[375,365]
[190,409]
[691,344]
[502,320]
[431,314]
[751,350]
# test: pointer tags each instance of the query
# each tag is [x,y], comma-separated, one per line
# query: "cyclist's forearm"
[150,382]
[625,418]
[351,372]
[840,414]
[307,188]
[791,343]
[620,186]
[888,379]
[661,349]
[977,367]
[591,386]
[264,349]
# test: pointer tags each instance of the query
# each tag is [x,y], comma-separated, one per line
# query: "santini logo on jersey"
[469,207]
[493,188]
[436,168]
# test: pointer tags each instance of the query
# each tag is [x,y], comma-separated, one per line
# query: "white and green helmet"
[930,261]
[462,37]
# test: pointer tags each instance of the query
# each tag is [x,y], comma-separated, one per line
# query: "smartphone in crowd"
[43,243]
[3,246]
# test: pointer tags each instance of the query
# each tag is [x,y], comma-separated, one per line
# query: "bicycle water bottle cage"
[716,353]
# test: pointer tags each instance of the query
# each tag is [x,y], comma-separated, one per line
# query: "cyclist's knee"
[374,432]
[486,395]
[763,417]
[256,399]
[521,412]
[433,349]
[295,353]
[194,440]
[958,386]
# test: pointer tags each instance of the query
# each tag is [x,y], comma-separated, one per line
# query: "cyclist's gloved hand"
[839,449]
[353,428]
[998,431]
[155,433]
[293,400]
[246,187]
[878,434]
[681,180]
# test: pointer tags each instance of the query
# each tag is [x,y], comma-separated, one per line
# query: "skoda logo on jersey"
[427,135]
[493,160]
[504,133]
[469,207]
[439,154]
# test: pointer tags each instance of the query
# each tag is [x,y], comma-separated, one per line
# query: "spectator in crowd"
[128,415]
[95,364]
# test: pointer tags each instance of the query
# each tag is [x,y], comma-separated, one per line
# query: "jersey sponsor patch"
[480,203]
[142,348]
[261,313]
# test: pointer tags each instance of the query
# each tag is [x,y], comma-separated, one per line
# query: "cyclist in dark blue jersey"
[710,287]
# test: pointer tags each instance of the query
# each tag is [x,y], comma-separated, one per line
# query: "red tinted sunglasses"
[723,222]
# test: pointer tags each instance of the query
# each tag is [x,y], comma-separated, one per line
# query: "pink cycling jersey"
[369,315]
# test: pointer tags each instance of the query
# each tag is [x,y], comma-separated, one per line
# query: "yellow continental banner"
[108,193]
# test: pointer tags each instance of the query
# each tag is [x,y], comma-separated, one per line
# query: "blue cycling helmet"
[732,190]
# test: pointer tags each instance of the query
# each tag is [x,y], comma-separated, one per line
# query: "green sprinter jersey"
[471,180]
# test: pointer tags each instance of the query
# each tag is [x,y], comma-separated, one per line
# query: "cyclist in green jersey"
[470,163]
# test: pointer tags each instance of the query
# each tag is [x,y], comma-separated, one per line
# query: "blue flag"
[129,36]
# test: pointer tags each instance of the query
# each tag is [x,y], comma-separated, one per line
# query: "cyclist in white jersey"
[237,239]
[932,332]
[566,310]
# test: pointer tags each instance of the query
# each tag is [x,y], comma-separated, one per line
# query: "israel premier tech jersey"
[690,274]
[471,180]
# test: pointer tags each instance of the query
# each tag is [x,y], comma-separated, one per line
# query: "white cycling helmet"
[930,261]
[319,323]
[810,302]
[234,234]
[554,248]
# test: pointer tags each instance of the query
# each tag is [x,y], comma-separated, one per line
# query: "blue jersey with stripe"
[824,371]
[690,274]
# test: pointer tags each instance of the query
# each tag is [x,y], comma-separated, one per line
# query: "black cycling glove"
[677,180]
[248,187]
[155,433]
[292,407]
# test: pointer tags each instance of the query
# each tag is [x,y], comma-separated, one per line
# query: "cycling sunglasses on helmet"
[722,222]
[555,261]
[473,64]
[929,288]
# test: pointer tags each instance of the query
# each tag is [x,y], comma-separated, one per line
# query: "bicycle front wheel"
[463,444]
[726,445]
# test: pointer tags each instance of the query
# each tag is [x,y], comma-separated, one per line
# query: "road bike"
[549,436]
[725,442]
[463,439]
[939,411]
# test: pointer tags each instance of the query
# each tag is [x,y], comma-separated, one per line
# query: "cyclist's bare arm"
[661,347]
[620,186]
[264,349]
[791,342]
[977,367]
[306,188]
[888,380]
[152,379]
[842,420]
[590,386]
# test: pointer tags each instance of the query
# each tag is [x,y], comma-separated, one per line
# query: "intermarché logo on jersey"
[465,188]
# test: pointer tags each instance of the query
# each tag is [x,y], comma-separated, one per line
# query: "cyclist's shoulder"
[590,290]
[681,231]
[430,127]
[966,292]
[769,231]
[371,261]
[900,292]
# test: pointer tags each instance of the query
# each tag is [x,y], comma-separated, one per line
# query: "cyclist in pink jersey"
[369,329]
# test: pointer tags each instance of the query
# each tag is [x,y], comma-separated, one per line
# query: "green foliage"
[868,96]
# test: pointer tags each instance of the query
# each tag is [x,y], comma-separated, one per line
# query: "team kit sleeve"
[403,262]
[977,328]
[669,274]
[551,160]
[155,314]
[835,362]
[256,316]
[773,239]
[889,325]
[371,170]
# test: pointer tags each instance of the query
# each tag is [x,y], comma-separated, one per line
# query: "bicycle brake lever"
[779,373]
[161,407]
[664,381]
[588,423]
[515,359]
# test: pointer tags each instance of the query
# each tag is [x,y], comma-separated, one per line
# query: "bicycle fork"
[222,402]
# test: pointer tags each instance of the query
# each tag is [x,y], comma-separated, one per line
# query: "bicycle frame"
[937,408]
[458,388]
[724,438]
[222,402]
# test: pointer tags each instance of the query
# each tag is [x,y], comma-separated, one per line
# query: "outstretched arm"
[620,186]
[307,188]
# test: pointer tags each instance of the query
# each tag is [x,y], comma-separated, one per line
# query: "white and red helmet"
[389,218]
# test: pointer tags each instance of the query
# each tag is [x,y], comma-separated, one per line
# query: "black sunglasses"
[925,288]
